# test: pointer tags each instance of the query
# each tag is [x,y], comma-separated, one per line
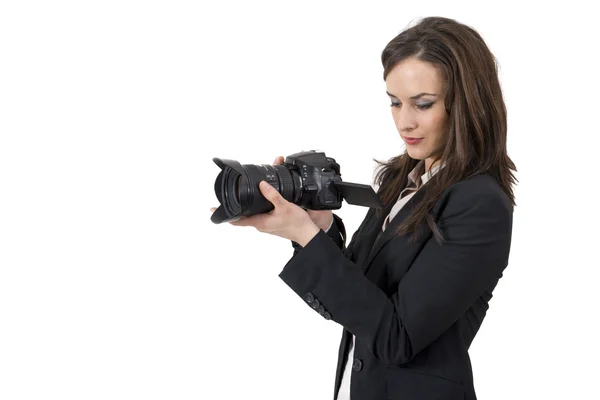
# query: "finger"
[239,221]
[254,221]
[270,193]
[212,209]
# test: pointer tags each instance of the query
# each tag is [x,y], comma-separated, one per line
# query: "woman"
[412,287]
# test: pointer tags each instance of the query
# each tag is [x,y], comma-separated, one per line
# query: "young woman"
[412,287]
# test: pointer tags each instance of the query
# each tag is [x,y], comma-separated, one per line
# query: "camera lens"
[238,191]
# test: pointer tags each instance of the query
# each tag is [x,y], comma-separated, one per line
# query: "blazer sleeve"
[337,233]
[441,284]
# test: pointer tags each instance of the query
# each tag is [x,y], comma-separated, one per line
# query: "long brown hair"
[476,137]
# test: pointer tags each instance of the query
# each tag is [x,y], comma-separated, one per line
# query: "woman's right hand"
[321,218]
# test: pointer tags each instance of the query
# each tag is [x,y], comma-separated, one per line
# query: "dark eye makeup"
[419,106]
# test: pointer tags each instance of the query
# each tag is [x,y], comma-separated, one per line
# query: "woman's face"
[417,92]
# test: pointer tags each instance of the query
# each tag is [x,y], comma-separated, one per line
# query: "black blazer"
[414,308]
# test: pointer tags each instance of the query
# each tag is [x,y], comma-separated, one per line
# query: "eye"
[419,106]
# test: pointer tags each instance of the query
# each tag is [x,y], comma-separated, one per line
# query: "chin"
[416,155]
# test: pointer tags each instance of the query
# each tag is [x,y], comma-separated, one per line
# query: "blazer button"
[327,316]
[357,365]
[315,304]
[321,309]
[309,298]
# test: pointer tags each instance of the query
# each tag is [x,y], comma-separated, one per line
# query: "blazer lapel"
[379,240]
[367,234]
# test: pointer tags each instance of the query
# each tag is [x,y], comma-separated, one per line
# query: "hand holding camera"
[321,218]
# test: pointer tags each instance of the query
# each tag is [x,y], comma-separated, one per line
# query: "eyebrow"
[413,97]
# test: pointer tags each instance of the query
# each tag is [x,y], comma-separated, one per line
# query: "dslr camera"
[309,179]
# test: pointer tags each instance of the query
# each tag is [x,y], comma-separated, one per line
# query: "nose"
[405,121]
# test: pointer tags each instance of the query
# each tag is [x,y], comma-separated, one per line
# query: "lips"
[411,140]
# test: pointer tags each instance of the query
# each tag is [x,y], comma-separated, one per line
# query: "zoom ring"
[287,184]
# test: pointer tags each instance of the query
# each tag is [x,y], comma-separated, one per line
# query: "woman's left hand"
[286,220]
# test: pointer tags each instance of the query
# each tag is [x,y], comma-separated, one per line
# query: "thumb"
[270,193]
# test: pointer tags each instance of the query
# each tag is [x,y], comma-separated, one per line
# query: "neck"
[429,166]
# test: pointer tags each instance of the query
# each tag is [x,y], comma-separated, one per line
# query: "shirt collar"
[412,176]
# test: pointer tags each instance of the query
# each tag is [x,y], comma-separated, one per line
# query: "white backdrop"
[114,284]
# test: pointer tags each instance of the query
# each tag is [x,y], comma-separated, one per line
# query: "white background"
[114,284]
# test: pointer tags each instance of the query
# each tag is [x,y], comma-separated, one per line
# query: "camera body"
[318,174]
